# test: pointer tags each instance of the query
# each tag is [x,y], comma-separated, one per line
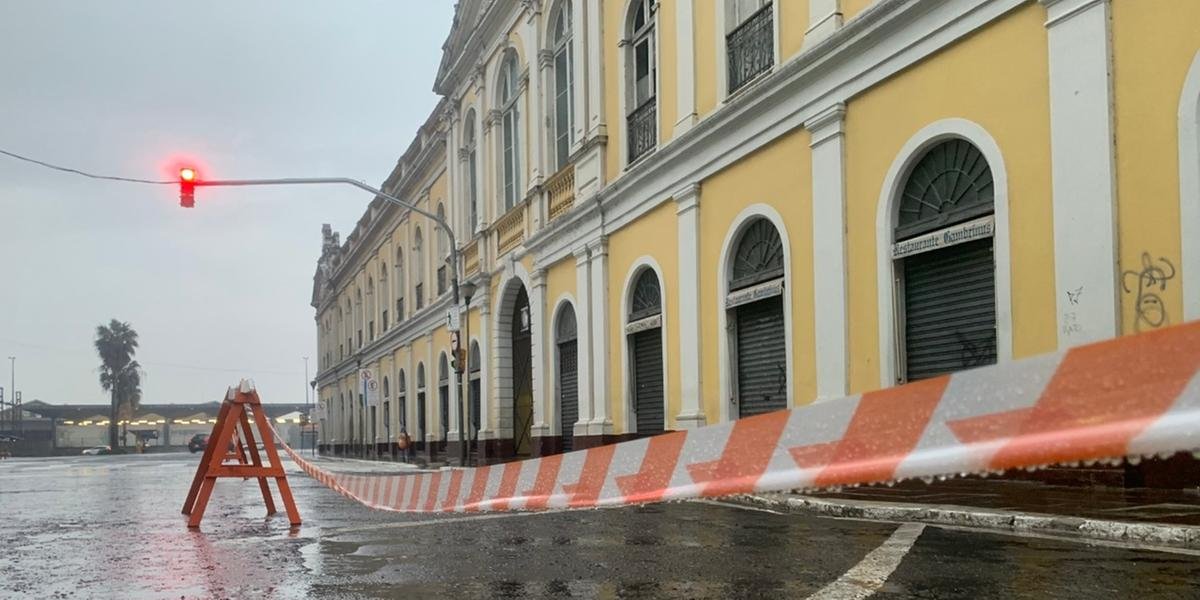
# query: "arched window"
[510,167]
[641,68]
[383,294]
[443,253]
[643,331]
[469,166]
[400,285]
[564,82]
[759,329]
[565,334]
[418,270]
[370,309]
[947,274]
[444,396]
[358,315]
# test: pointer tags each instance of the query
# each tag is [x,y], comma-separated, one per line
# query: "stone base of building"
[1177,472]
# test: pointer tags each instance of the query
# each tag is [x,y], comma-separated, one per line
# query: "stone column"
[824,18]
[687,209]
[583,302]
[601,422]
[1082,169]
[829,248]
[538,354]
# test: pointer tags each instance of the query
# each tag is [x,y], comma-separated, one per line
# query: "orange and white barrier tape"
[1132,396]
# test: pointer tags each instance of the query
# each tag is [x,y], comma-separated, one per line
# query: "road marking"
[739,506]
[865,578]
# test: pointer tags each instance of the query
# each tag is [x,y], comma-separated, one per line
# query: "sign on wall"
[983,227]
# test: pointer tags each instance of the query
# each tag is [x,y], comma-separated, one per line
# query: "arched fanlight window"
[647,296]
[759,255]
[420,376]
[567,329]
[469,144]
[564,82]
[402,397]
[951,183]
[386,390]
[641,68]
[510,167]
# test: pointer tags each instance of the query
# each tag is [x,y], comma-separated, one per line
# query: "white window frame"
[626,93]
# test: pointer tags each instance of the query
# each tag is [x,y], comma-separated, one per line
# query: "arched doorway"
[946,272]
[566,332]
[476,369]
[522,373]
[402,406]
[422,426]
[643,331]
[758,334]
[443,401]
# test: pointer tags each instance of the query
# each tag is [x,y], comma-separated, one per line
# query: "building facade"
[678,213]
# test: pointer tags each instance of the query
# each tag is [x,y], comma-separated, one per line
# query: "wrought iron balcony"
[643,129]
[560,191]
[751,48]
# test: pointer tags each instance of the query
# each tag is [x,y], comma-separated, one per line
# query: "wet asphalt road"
[109,527]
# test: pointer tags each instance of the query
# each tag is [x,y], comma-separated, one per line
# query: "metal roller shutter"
[761,357]
[568,386]
[949,310]
[475,409]
[444,410]
[648,380]
[420,416]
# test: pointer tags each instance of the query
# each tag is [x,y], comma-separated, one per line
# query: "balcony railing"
[560,191]
[510,229]
[643,129]
[751,48]
[470,254]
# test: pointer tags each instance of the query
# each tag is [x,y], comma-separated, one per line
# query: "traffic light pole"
[441,223]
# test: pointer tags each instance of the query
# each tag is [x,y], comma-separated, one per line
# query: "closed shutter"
[568,386]
[444,412]
[474,408]
[949,310]
[761,357]
[421,416]
[648,380]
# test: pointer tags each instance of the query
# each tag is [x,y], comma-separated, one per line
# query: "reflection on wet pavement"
[109,527]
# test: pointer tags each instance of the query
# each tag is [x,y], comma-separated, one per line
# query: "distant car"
[198,443]
[97,450]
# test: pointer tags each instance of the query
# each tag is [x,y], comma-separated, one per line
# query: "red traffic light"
[187,187]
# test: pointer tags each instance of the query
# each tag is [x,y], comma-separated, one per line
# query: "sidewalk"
[1141,516]
[364,466]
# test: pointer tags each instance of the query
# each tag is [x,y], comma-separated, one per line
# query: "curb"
[1151,534]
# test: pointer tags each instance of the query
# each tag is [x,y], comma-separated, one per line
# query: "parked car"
[97,450]
[198,442]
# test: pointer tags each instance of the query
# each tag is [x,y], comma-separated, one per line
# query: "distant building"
[48,429]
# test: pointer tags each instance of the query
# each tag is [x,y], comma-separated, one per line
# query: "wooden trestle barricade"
[229,454]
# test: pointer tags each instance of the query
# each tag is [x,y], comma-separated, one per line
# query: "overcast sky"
[247,89]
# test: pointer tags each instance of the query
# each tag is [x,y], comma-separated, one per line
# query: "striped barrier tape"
[1129,397]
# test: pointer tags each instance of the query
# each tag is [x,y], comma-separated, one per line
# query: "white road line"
[865,578]
[738,506]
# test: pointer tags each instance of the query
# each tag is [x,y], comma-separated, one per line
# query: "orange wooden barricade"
[236,410]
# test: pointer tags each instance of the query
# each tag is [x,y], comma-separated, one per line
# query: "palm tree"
[120,374]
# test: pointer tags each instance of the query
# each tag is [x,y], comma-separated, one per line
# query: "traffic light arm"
[441,223]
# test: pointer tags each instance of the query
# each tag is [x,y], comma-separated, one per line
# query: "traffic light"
[187,187]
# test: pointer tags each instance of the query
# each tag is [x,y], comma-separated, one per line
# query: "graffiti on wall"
[1147,284]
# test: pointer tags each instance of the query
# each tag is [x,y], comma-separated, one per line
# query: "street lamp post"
[464,438]
[12,393]
[307,409]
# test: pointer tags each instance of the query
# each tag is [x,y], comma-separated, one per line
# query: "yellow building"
[677,213]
